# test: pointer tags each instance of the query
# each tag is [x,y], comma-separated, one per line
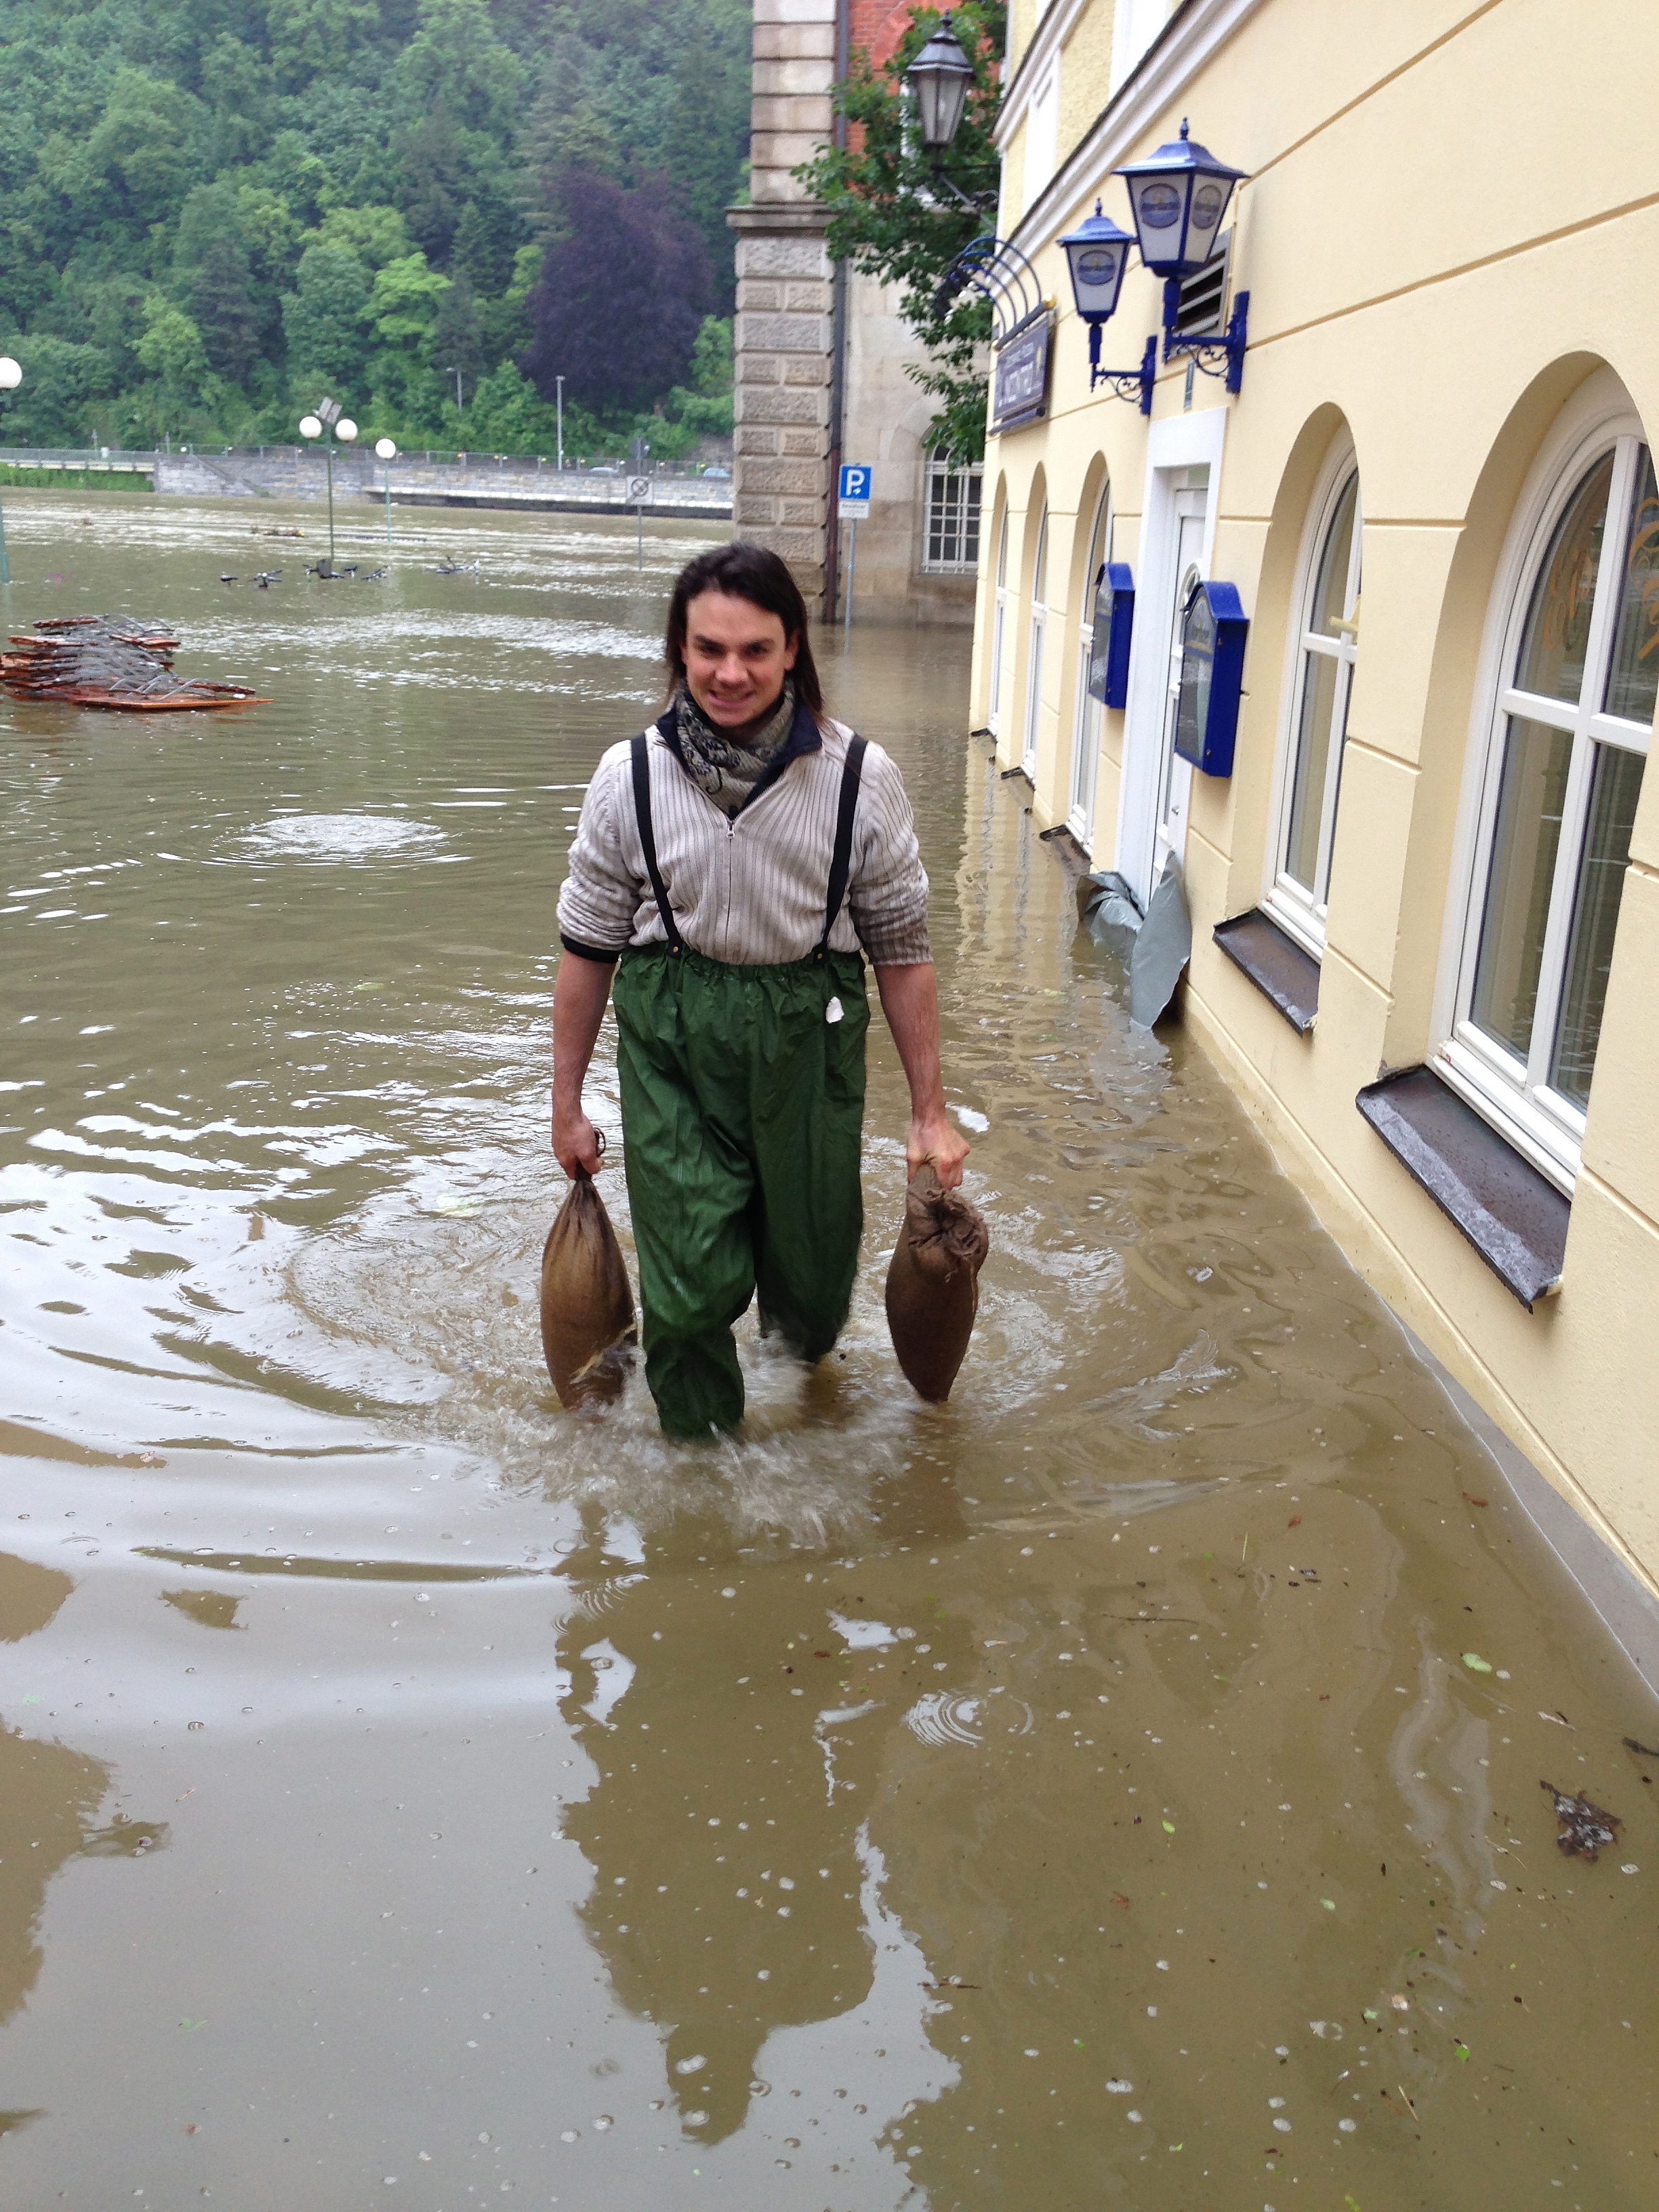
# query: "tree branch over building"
[893,214]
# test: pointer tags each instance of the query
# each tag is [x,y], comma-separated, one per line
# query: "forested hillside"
[213,212]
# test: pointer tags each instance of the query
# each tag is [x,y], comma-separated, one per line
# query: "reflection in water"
[1153,1843]
[47,1798]
[737,1891]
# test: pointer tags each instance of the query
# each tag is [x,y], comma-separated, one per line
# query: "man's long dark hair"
[753,573]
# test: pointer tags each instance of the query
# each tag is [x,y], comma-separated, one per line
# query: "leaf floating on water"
[1476,1664]
[1646,1750]
[1585,1828]
[1169,1827]
[1468,1500]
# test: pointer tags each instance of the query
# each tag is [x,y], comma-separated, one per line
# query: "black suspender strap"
[641,761]
[841,864]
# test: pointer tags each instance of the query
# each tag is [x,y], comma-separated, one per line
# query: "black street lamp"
[941,73]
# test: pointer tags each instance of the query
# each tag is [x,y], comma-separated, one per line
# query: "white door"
[1085,740]
[1174,774]
[1028,757]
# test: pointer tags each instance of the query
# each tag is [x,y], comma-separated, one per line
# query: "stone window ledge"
[1284,974]
[1514,1218]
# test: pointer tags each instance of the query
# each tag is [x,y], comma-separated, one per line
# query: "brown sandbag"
[588,1305]
[933,1283]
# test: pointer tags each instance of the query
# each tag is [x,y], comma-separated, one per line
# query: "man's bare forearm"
[580,993]
[909,998]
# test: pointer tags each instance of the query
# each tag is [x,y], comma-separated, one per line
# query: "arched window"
[1085,738]
[999,632]
[1028,757]
[1327,628]
[1565,741]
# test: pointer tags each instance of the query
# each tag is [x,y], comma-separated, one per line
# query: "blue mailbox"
[1213,629]
[1114,622]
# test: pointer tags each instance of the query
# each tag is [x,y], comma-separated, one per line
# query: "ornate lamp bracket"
[1131,383]
[1222,356]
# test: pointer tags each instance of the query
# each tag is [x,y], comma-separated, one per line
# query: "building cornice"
[779,215]
[1187,45]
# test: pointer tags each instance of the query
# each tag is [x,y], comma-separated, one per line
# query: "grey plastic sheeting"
[1153,948]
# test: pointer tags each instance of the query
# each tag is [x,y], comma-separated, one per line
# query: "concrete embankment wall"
[284,474]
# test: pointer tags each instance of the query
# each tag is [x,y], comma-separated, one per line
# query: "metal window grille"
[951,538]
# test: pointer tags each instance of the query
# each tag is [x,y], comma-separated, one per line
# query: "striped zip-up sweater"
[750,890]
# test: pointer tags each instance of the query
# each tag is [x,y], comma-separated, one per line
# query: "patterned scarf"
[729,772]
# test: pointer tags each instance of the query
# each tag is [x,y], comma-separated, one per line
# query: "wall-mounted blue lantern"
[1178,199]
[1213,629]
[1114,628]
[1098,255]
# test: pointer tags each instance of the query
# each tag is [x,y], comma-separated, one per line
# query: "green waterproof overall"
[743,1120]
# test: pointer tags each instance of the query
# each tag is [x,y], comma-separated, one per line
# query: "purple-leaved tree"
[621,296]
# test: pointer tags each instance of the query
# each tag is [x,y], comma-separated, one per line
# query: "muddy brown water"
[411,1794]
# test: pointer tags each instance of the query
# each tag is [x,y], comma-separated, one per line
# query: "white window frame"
[1090,717]
[944,479]
[1301,913]
[998,630]
[1517,1099]
[1033,729]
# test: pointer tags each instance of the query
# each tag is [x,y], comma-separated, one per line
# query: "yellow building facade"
[1435,865]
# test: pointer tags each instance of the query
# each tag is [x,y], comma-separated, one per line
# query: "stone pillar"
[784,334]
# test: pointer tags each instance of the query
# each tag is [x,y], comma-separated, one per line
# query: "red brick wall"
[877,26]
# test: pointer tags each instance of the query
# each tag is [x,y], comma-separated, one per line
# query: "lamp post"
[386,450]
[341,428]
[558,396]
[10,377]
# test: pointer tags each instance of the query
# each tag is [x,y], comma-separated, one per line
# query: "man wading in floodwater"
[727,866]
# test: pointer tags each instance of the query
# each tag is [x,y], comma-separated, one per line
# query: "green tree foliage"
[212,211]
[891,217]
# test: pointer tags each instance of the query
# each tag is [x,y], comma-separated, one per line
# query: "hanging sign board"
[853,501]
[1019,382]
[1114,622]
[1213,630]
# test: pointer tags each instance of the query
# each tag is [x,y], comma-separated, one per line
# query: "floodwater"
[1118,1787]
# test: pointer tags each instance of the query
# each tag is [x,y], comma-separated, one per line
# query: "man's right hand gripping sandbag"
[588,1305]
[933,1283]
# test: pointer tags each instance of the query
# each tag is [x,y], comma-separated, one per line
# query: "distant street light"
[558,382]
[11,376]
[386,450]
[343,429]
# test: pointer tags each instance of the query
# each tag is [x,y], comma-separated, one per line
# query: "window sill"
[1514,1218]
[1275,963]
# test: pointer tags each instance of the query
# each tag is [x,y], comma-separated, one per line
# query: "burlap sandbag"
[932,1283]
[588,1305]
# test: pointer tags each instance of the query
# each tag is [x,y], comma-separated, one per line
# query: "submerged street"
[1120,1785]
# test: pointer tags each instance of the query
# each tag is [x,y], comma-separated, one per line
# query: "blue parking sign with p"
[854,496]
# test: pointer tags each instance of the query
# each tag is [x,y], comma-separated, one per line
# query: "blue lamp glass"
[1178,198]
